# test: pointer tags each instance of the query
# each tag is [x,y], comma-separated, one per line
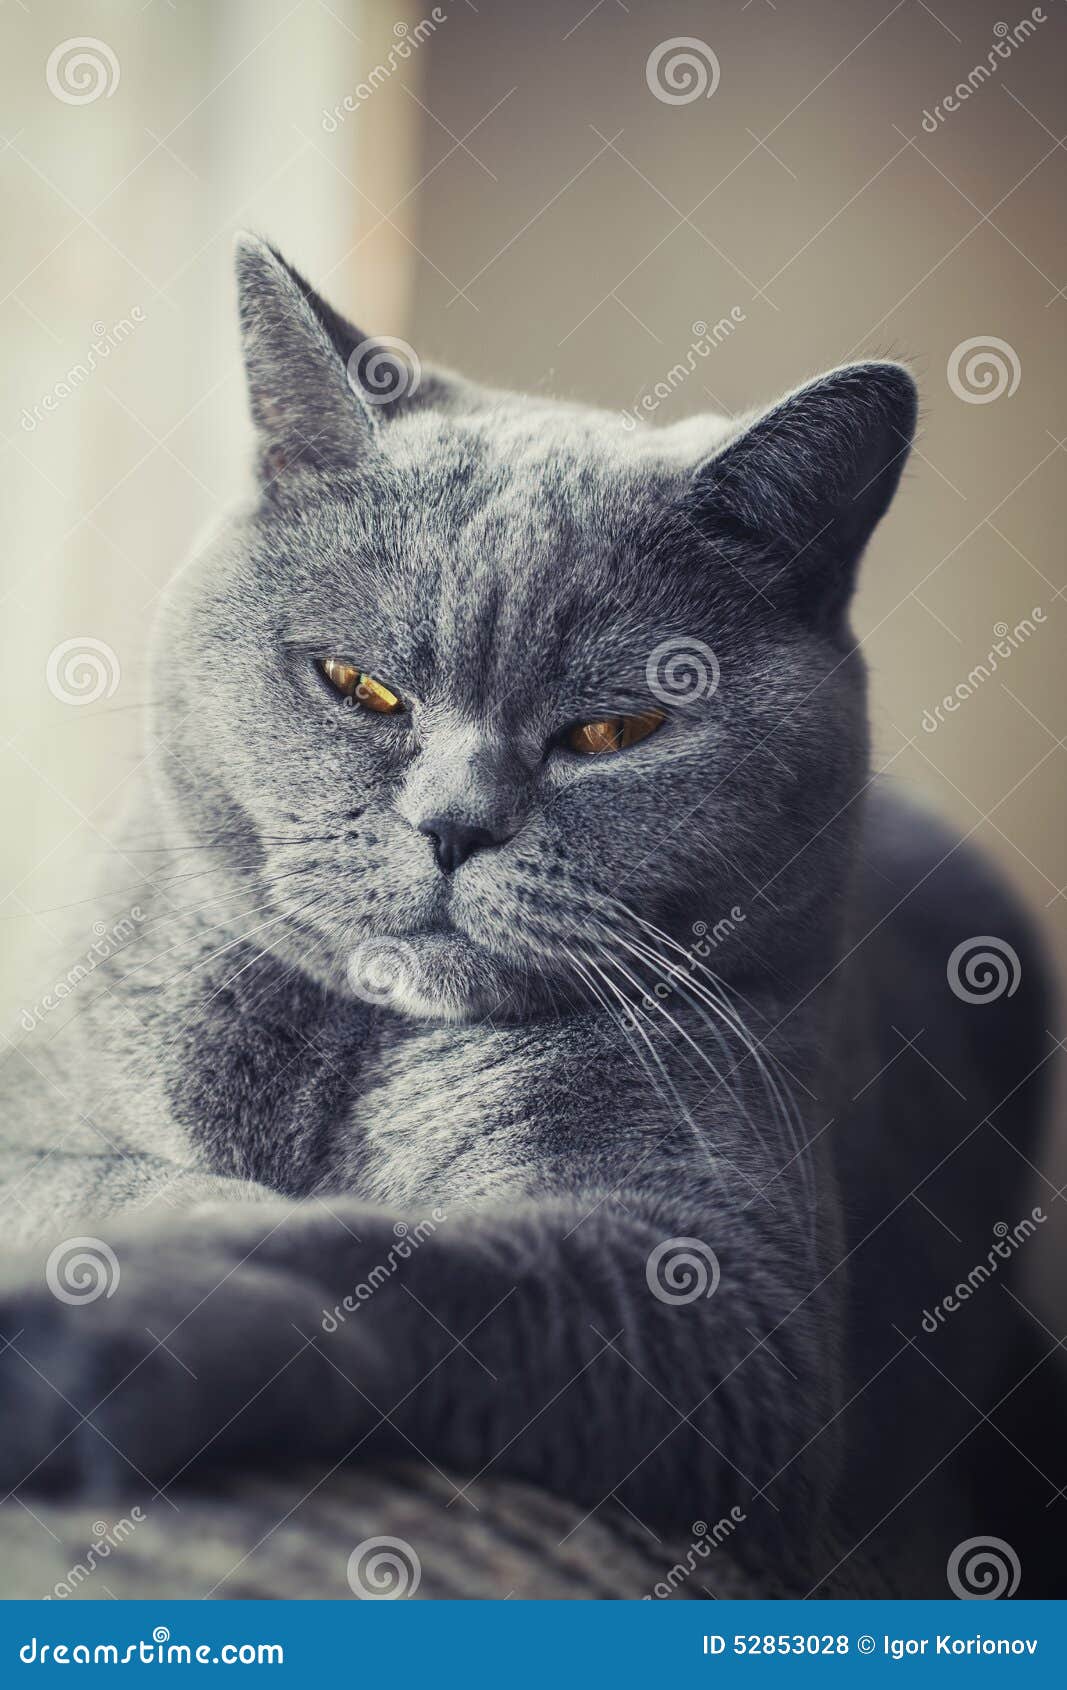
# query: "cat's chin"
[431,976]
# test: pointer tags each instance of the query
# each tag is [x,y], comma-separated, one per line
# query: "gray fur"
[522,1096]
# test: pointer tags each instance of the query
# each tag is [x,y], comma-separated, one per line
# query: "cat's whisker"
[710,1151]
[181,911]
[242,938]
[779,1094]
[751,1117]
[722,1079]
[149,883]
[700,1136]
[715,986]
[807,1193]
[624,1022]
[173,850]
[299,967]
[189,938]
[200,1007]
[645,953]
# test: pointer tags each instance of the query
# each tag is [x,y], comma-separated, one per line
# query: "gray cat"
[539,1024]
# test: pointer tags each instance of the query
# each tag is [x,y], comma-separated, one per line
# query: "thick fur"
[501,1097]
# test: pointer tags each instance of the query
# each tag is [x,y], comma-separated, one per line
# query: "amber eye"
[614,733]
[360,687]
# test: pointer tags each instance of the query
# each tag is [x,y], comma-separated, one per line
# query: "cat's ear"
[808,480]
[307,409]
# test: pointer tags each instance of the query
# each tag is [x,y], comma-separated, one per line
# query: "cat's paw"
[135,1360]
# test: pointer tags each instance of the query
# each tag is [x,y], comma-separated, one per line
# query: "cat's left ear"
[320,390]
[810,478]
[306,412]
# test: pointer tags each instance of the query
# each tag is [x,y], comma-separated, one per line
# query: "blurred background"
[672,207]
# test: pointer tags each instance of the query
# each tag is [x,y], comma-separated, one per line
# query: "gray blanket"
[298,1535]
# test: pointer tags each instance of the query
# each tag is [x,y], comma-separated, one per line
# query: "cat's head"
[476,682]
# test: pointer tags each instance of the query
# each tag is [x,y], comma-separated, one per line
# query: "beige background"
[516,201]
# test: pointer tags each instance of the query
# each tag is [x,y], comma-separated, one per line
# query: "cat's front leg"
[596,1348]
[161,1344]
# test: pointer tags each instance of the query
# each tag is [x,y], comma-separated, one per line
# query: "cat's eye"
[355,684]
[614,733]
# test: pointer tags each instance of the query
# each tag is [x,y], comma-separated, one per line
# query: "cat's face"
[608,695]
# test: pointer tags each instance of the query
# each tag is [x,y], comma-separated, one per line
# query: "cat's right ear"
[802,486]
[307,413]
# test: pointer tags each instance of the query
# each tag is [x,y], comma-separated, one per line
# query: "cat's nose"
[454,842]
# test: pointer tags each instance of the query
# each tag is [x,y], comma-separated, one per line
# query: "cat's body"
[661,1015]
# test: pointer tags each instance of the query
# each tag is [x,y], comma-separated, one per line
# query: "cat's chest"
[435,1114]
[462,1115]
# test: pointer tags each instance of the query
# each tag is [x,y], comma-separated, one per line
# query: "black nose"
[454,842]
